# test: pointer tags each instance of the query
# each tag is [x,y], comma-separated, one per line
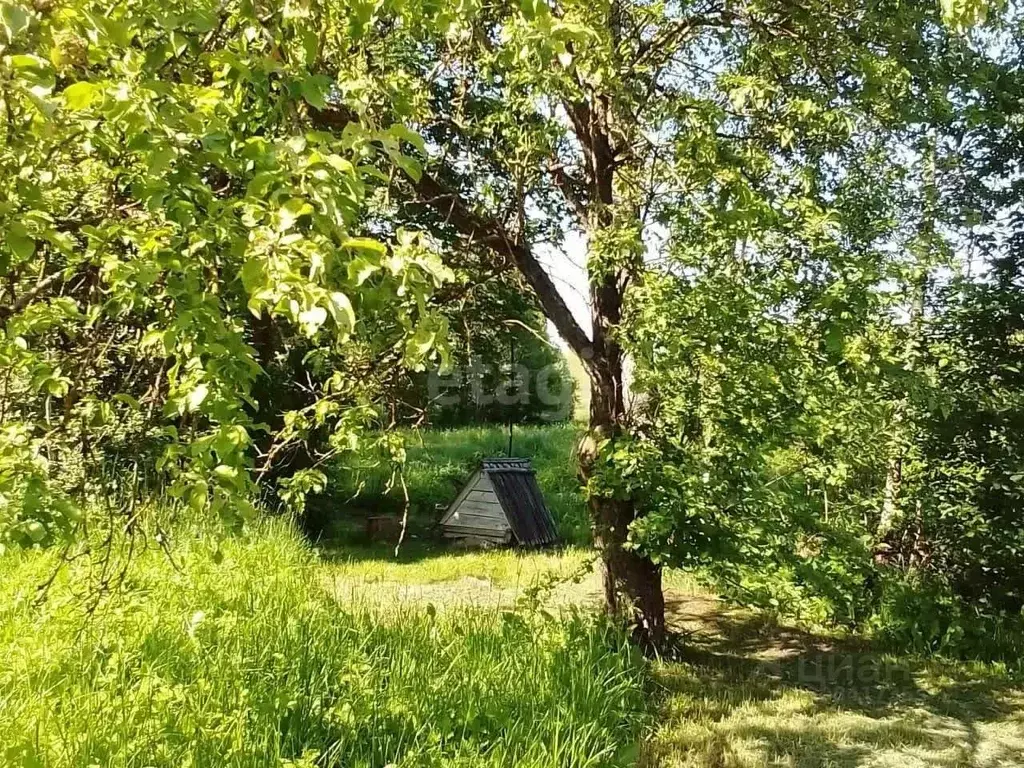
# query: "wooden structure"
[501,504]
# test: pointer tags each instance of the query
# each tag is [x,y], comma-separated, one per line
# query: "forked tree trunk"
[632,581]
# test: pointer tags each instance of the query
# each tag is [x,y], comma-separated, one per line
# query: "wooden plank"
[481,501]
[485,497]
[488,514]
[469,530]
[462,495]
[476,508]
[482,533]
[478,521]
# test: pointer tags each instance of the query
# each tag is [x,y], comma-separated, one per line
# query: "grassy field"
[739,691]
[249,661]
[268,650]
[259,650]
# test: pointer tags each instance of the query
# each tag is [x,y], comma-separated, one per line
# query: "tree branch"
[31,295]
[488,232]
[491,234]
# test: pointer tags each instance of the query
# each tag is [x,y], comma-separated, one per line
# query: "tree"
[173,227]
[233,177]
[709,126]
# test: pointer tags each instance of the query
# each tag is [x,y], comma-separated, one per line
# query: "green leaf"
[127,400]
[13,19]
[342,312]
[404,133]
[531,9]
[411,166]
[22,245]
[314,89]
[291,212]
[35,531]
[361,13]
[367,244]
[420,343]
[311,319]
[360,269]
[197,396]
[28,61]
[226,472]
[340,164]
[79,95]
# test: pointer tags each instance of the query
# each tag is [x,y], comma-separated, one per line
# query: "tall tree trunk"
[891,497]
[925,257]
[632,582]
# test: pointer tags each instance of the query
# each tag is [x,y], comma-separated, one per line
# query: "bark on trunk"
[632,583]
[891,498]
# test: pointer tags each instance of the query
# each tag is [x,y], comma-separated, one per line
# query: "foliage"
[230,233]
[173,223]
[828,396]
[245,660]
[758,186]
[502,367]
[964,480]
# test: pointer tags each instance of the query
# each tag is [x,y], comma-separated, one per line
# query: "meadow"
[238,656]
[266,649]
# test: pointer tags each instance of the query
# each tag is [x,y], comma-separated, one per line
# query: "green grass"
[418,564]
[747,693]
[256,659]
[717,715]
[260,650]
[250,662]
[439,462]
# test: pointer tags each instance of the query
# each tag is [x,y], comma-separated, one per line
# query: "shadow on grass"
[742,692]
[360,550]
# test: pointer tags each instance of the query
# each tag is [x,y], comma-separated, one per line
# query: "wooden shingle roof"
[515,485]
[502,503]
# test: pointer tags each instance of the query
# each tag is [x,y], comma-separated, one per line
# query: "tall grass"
[439,462]
[243,660]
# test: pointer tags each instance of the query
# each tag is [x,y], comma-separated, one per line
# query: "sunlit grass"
[249,662]
[418,565]
[268,654]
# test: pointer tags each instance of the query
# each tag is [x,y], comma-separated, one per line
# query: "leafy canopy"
[166,201]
